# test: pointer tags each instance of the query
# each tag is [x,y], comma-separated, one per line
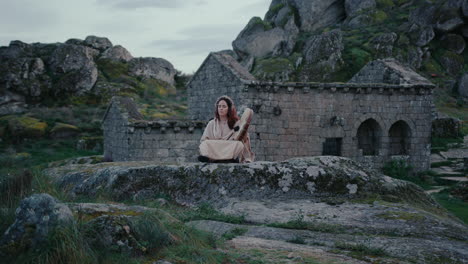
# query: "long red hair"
[231,114]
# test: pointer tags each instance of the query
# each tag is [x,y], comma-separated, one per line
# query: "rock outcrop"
[36,216]
[31,73]
[74,66]
[326,203]
[462,87]
[314,178]
[155,68]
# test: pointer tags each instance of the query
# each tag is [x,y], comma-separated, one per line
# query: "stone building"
[369,122]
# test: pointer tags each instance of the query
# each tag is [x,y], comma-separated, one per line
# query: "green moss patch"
[26,127]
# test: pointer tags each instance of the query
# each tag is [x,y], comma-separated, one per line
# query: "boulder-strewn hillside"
[77,71]
[323,40]
[61,90]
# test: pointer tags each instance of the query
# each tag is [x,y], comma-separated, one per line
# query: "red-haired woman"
[225,138]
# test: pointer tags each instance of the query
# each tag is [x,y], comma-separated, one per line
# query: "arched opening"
[368,135]
[399,137]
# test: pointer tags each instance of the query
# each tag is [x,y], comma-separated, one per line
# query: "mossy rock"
[61,130]
[26,127]
[379,16]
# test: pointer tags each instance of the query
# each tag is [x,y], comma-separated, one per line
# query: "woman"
[225,138]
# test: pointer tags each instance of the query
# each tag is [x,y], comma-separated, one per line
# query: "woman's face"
[222,108]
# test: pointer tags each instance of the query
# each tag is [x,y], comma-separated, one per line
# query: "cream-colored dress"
[217,143]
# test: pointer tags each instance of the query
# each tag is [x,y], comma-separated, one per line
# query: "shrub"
[397,169]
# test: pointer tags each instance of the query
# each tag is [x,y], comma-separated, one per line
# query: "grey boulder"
[36,217]
[383,44]
[256,40]
[117,53]
[156,68]
[421,35]
[75,65]
[319,14]
[99,43]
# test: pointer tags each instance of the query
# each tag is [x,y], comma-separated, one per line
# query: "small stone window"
[369,134]
[399,136]
[332,146]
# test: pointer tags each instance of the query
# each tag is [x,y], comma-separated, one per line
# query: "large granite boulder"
[155,68]
[353,7]
[319,14]
[383,44]
[323,55]
[311,178]
[117,53]
[258,40]
[11,103]
[36,217]
[448,20]
[462,87]
[99,43]
[388,71]
[75,69]
[421,35]
[423,15]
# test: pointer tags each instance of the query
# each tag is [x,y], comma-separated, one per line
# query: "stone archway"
[369,136]
[399,138]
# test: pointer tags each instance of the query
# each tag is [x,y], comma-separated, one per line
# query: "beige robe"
[217,143]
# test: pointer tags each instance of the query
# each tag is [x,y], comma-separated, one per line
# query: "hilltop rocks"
[75,65]
[387,71]
[156,68]
[448,20]
[319,14]
[36,216]
[257,40]
[322,54]
[117,53]
[98,43]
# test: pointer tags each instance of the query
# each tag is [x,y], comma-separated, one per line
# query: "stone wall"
[127,139]
[294,120]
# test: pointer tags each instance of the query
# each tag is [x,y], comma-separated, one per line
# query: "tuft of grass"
[360,250]
[443,144]
[452,204]
[297,240]
[207,212]
[234,233]
[300,224]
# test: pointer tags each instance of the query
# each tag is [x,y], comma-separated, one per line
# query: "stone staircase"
[451,165]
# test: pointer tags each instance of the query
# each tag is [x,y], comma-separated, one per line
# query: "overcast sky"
[181,31]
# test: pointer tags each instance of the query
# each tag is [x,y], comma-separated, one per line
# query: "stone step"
[436,190]
[457,179]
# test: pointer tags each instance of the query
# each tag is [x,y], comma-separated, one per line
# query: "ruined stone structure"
[371,123]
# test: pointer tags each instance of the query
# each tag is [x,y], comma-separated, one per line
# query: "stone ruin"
[372,123]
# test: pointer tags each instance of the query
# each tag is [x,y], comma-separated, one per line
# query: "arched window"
[399,136]
[368,135]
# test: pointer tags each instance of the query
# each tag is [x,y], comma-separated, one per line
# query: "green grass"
[234,233]
[360,250]
[454,205]
[207,212]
